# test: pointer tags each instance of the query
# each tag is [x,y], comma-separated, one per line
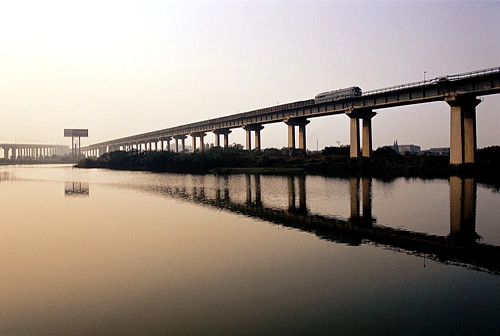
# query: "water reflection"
[463,193]
[76,189]
[462,245]
[365,218]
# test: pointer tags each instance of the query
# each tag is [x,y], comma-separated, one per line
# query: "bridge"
[32,151]
[459,91]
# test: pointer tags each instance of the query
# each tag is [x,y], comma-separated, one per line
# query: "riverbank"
[383,164]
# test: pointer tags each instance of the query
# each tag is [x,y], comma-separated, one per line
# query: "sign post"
[75,135]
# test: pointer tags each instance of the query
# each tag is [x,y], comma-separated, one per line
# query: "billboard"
[71,132]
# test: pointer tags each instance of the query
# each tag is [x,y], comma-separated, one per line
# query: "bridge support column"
[200,135]
[366,115]
[225,132]
[256,128]
[291,136]
[167,139]
[217,139]
[301,123]
[183,142]
[463,137]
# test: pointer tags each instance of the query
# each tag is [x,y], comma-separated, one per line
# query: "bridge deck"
[477,83]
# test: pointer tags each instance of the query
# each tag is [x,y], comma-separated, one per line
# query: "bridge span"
[32,151]
[460,92]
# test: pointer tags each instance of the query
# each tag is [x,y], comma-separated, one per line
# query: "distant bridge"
[459,91]
[32,151]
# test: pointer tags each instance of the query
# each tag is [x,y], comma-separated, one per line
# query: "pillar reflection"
[366,217]
[292,195]
[76,189]
[463,193]
[256,189]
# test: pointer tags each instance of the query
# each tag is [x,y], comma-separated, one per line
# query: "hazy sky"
[122,67]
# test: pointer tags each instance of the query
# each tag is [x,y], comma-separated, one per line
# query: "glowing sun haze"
[121,68]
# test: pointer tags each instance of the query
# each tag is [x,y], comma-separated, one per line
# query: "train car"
[349,92]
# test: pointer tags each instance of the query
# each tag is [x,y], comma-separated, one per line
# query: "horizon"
[125,68]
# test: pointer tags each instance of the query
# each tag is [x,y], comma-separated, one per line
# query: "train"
[350,92]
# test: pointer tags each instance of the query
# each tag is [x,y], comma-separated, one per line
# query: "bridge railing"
[464,75]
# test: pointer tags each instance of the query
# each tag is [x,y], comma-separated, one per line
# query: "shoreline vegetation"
[332,161]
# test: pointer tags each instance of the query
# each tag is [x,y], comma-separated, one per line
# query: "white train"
[349,92]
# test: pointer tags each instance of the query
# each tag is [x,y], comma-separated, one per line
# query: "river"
[100,252]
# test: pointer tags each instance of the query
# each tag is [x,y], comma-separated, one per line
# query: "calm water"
[96,252]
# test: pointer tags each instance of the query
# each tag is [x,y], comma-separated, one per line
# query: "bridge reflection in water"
[462,246]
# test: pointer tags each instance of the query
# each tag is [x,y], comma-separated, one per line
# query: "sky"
[120,68]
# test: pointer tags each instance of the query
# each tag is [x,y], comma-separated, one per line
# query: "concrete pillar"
[217,139]
[256,128]
[225,132]
[302,137]
[463,137]
[168,142]
[301,123]
[183,142]
[367,138]
[200,135]
[366,115]
[291,136]
[257,137]
[248,139]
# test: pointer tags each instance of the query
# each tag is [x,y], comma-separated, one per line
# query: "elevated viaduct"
[460,92]
[33,151]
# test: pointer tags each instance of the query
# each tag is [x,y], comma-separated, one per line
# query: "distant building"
[438,151]
[409,149]
[406,149]
[395,146]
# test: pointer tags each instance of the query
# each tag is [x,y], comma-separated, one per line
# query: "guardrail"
[464,75]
